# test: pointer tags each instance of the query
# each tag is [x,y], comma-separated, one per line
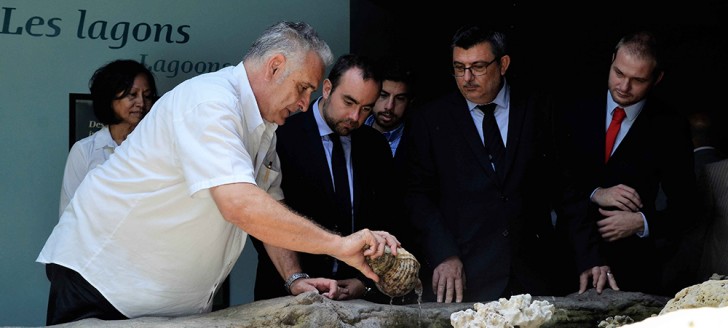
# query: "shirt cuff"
[591,196]
[646,232]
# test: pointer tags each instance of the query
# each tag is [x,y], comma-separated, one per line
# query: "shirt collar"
[370,120]
[252,116]
[501,99]
[391,135]
[631,111]
[323,128]
[102,139]
[395,133]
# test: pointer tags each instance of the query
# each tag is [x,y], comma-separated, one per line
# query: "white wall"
[46,52]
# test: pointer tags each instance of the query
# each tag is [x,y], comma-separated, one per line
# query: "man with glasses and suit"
[480,189]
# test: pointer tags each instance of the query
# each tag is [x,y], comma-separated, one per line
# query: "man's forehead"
[395,86]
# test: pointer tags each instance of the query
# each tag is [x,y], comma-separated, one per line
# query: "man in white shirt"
[157,228]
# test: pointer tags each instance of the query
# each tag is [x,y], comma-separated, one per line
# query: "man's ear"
[274,66]
[505,62]
[326,90]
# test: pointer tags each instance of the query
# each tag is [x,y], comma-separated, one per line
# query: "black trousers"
[72,298]
[514,287]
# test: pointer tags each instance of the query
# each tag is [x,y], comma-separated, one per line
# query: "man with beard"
[307,149]
[389,117]
[398,92]
[156,228]
[623,145]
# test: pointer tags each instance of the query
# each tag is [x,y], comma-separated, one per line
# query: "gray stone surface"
[313,310]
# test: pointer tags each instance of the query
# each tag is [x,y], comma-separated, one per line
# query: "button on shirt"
[85,155]
[143,228]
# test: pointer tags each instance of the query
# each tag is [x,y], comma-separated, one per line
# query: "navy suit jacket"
[500,229]
[308,190]
[657,151]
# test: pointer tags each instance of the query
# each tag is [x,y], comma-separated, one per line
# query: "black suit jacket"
[500,230]
[308,190]
[657,151]
[400,155]
[400,225]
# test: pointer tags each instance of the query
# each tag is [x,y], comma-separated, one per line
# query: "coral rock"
[711,293]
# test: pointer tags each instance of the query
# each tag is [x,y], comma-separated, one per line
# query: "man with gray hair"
[157,228]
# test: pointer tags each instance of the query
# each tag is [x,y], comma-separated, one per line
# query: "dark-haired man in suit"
[479,194]
[389,117]
[305,146]
[623,145]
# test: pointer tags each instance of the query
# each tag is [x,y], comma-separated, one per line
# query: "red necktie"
[612,131]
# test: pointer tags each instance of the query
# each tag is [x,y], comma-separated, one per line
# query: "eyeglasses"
[477,69]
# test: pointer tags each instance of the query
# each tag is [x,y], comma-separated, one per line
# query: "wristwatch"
[294,277]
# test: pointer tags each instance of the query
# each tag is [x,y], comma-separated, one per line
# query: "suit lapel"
[356,166]
[464,123]
[315,146]
[639,127]
[516,119]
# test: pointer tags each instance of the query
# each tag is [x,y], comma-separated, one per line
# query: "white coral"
[711,293]
[517,311]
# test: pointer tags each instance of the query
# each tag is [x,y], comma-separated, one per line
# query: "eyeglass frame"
[471,68]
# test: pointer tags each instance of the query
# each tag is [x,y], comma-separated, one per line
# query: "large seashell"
[398,275]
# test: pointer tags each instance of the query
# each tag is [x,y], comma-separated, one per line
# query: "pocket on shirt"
[266,177]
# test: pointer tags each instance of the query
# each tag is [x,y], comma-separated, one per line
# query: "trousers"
[72,298]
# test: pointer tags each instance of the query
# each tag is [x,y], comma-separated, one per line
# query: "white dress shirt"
[143,228]
[85,155]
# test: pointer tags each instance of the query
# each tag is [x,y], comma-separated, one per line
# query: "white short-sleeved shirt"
[85,155]
[143,228]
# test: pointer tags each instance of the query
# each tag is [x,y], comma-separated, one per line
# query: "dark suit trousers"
[72,298]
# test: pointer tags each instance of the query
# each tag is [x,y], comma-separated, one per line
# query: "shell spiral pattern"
[398,275]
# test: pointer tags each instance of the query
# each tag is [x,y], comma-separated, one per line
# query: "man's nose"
[390,103]
[354,114]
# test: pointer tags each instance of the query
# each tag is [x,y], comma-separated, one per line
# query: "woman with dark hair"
[122,91]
